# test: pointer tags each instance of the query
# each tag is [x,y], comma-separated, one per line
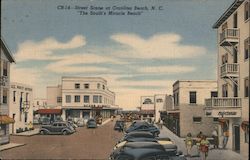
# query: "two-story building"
[187,115]
[5,60]
[232,104]
[21,106]
[81,97]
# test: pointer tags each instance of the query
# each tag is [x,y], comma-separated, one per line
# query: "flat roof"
[178,81]
[227,13]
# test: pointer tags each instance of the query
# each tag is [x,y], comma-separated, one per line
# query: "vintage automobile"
[119,125]
[91,123]
[57,128]
[144,127]
[143,150]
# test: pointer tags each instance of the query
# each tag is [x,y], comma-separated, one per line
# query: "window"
[235,20]
[246,48]
[247,11]
[192,97]
[14,96]
[246,87]
[27,97]
[224,90]
[247,134]
[86,99]
[103,87]
[37,102]
[100,99]
[77,86]
[86,86]
[59,99]
[98,86]
[5,96]
[95,99]
[25,117]
[77,98]
[147,101]
[214,94]
[159,100]
[215,120]
[224,58]
[5,68]
[197,119]
[68,98]
[2,130]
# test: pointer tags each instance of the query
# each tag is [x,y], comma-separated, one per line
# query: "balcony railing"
[230,33]
[229,70]
[223,102]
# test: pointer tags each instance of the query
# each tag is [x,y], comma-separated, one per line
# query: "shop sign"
[223,113]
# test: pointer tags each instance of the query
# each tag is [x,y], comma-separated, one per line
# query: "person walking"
[189,144]
[204,147]
[198,141]
[215,137]
[225,138]
[161,123]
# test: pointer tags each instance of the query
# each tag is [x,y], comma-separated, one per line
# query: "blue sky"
[138,55]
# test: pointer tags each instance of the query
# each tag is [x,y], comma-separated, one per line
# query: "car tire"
[65,132]
[42,132]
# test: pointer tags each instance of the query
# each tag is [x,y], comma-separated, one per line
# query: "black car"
[91,123]
[119,125]
[144,127]
[145,150]
[57,128]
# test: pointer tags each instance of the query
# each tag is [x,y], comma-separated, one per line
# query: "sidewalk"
[10,145]
[214,154]
[106,121]
[28,133]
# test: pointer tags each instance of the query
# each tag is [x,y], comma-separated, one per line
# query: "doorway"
[236,138]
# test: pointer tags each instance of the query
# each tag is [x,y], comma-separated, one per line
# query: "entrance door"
[237,138]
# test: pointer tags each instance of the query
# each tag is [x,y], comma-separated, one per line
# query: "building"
[187,116]
[151,106]
[81,97]
[232,104]
[5,60]
[39,103]
[21,106]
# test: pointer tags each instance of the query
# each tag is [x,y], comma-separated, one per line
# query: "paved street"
[84,144]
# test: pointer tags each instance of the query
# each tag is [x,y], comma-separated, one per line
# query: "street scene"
[123,80]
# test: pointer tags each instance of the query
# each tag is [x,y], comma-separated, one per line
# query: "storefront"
[4,128]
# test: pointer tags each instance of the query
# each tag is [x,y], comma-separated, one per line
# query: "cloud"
[166,46]
[43,50]
[167,69]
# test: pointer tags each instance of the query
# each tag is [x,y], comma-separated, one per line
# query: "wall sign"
[223,113]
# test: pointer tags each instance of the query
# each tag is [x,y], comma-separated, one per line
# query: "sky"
[140,54]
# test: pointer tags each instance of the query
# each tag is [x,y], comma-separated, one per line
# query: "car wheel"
[65,132]
[42,132]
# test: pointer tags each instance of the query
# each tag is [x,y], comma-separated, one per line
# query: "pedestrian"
[189,144]
[198,141]
[225,138]
[161,123]
[215,137]
[204,147]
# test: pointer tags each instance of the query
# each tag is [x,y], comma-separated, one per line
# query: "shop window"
[86,99]
[95,99]
[2,130]
[247,11]
[192,97]
[86,86]
[77,86]
[59,99]
[68,98]
[197,119]
[5,68]
[246,48]
[77,98]
[5,93]
[246,87]
[247,134]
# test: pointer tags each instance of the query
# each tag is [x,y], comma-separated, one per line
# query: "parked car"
[119,125]
[71,123]
[91,123]
[144,127]
[57,128]
[80,123]
[145,150]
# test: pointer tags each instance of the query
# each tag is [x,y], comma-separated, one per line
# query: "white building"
[232,104]
[81,97]
[5,60]
[21,106]
[39,103]
[188,113]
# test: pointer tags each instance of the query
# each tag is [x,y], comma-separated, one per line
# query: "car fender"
[65,129]
[44,129]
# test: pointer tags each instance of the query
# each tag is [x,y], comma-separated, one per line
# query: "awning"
[49,111]
[4,119]
[244,125]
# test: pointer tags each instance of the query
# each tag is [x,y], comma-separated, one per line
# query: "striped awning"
[4,119]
